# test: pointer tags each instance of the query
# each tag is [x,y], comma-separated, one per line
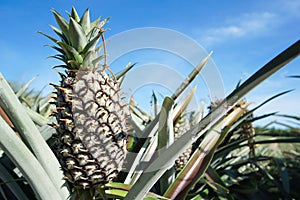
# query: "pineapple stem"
[101,192]
[84,194]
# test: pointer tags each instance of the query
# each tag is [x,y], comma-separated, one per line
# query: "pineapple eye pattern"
[91,128]
[99,126]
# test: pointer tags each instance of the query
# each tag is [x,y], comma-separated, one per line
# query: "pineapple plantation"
[83,142]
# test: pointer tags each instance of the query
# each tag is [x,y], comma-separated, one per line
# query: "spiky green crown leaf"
[78,39]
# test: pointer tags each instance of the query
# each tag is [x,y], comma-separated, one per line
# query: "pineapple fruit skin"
[91,128]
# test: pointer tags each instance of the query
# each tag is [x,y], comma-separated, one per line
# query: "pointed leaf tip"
[62,22]
[77,35]
[74,14]
[85,21]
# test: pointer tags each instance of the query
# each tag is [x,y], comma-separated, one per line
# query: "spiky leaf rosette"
[90,115]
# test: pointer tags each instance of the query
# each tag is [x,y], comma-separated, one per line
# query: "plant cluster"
[98,147]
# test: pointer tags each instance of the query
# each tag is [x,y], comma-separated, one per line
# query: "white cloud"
[290,8]
[236,31]
[246,25]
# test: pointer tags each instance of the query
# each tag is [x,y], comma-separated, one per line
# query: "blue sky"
[244,35]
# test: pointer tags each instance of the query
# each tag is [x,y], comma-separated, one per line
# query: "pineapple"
[181,126]
[90,115]
[246,130]
[214,104]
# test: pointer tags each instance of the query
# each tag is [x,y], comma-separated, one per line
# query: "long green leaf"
[2,193]
[182,105]
[154,103]
[266,71]
[152,128]
[165,124]
[24,88]
[97,60]
[8,179]
[128,67]
[46,131]
[165,139]
[97,24]
[262,74]
[202,156]
[215,181]
[27,164]
[159,166]
[187,139]
[36,117]
[191,77]
[155,142]
[141,148]
[242,143]
[289,116]
[62,23]
[244,117]
[127,187]
[48,36]
[59,33]
[26,128]
[294,76]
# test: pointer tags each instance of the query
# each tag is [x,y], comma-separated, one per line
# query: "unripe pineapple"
[90,127]
[247,127]
[181,126]
[246,130]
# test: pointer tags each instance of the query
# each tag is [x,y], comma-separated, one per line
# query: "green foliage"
[32,152]
[34,100]
[211,136]
[78,40]
[227,162]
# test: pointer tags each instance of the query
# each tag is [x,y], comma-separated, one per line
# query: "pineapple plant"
[91,129]
[91,133]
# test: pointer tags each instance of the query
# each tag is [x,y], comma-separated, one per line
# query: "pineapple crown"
[78,39]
